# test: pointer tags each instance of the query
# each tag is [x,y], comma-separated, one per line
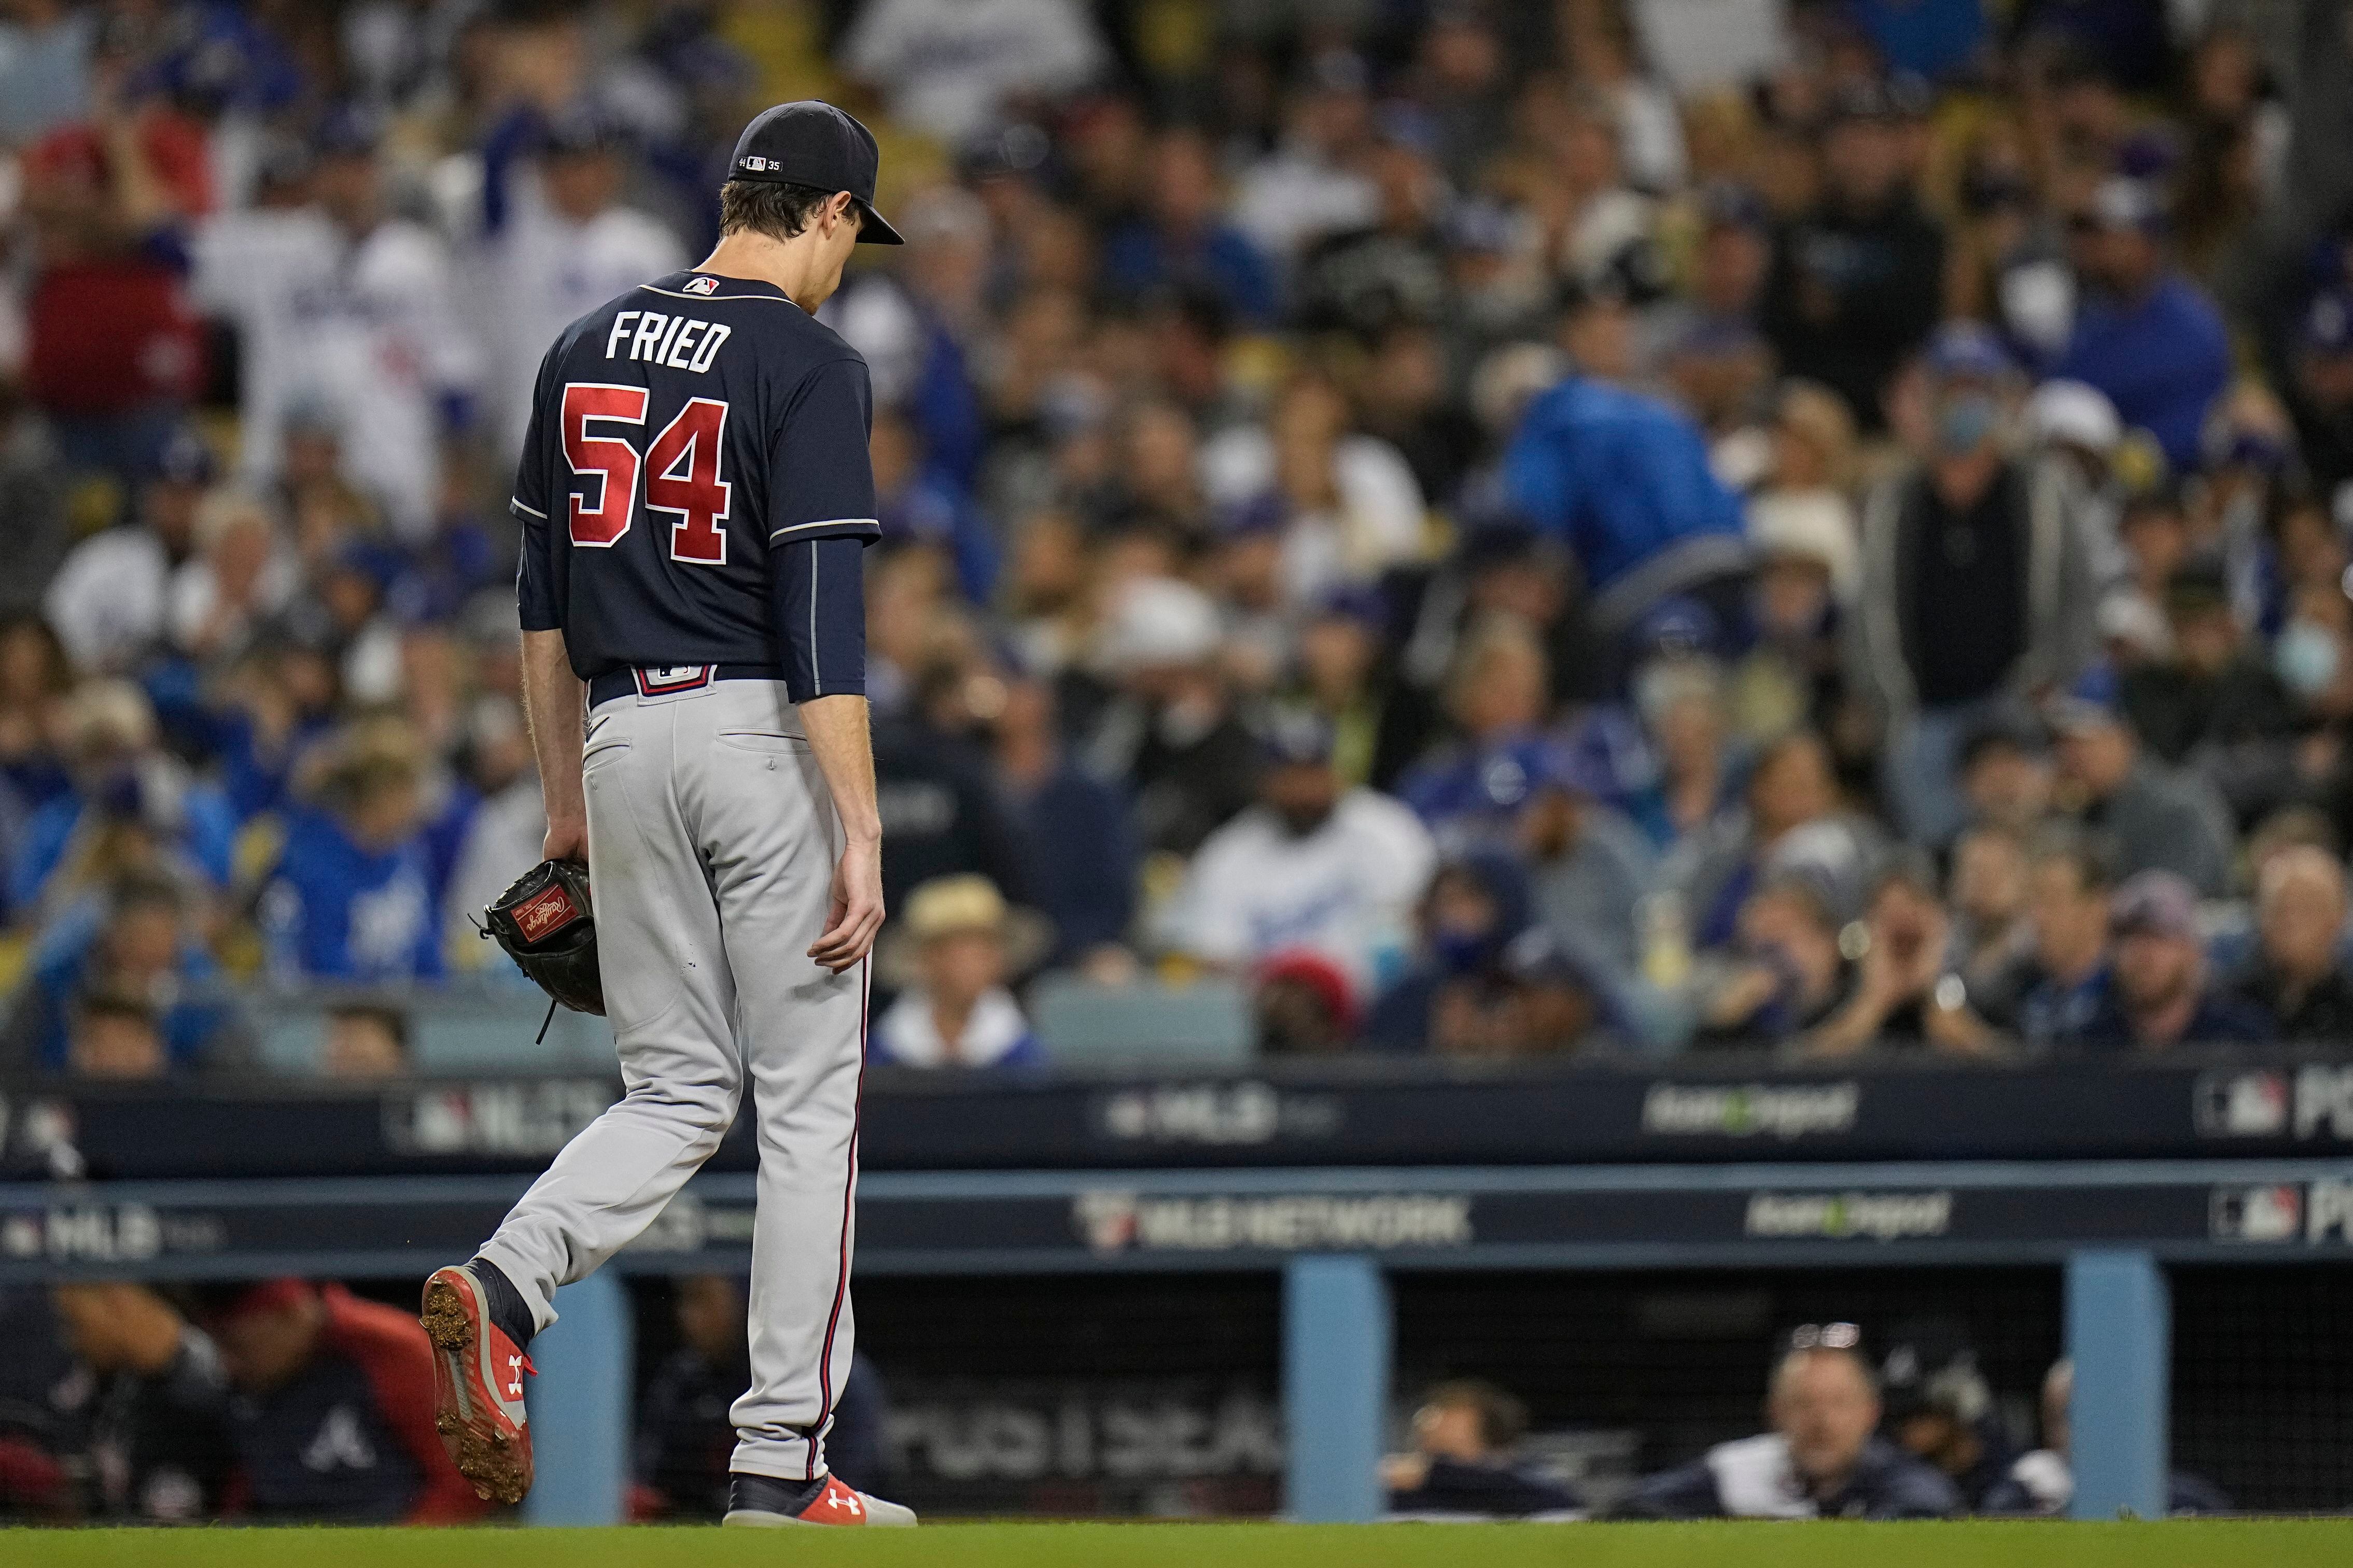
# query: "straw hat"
[950,906]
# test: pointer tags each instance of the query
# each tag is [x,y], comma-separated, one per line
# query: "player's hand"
[857,912]
[568,840]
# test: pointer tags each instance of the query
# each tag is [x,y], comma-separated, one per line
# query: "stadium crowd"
[1504,529]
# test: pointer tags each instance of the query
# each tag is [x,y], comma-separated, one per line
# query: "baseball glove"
[548,927]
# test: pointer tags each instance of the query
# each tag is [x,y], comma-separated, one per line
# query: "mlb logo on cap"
[814,145]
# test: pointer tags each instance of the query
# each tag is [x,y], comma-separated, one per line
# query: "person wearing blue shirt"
[1183,242]
[137,943]
[354,895]
[917,502]
[2147,336]
[123,785]
[1932,38]
[1622,481]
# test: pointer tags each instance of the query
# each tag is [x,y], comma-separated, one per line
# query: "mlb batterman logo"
[2241,1105]
[707,285]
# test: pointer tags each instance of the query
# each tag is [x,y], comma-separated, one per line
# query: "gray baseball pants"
[713,839]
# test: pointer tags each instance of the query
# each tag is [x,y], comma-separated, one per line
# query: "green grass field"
[2272,1543]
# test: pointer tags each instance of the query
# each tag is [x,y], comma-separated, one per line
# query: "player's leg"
[671,1000]
[771,838]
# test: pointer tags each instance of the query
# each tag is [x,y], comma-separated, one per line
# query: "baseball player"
[695,495]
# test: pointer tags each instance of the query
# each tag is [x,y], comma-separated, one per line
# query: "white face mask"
[2306,657]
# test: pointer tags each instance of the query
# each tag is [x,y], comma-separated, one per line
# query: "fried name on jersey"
[682,342]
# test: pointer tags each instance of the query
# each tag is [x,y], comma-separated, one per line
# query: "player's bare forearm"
[838,735]
[551,698]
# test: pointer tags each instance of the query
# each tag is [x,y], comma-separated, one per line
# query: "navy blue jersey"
[695,486]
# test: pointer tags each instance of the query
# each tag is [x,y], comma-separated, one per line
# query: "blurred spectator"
[1313,865]
[1940,1409]
[1977,583]
[1392,274]
[1183,241]
[156,1403]
[1857,280]
[1464,1432]
[916,500]
[1927,37]
[938,806]
[1557,1001]
[1340,675]
[684,1437]
[1622,480]
[1171,728]
[115,1038]
[2157,817]
[1314,183]
[2299,974]
[952,68]
[44,56]
[33,496]
[240,577]
[2146,336]
[1348,504]
[2043,1481]
[2213,705]
[2063,983]
[1589,868]
[1080,830]
[1452,998]
[956,946]
[1496,696]
[502,841]
[140,943]
[366,1041]
[1907,990]
[1793,821]
[131,807]
[557,242]
[2160,997]
[354,895]
[1683,706]
[2005,773]
[1808,570]
[1993,931]
[333,1417]
[114,352]
[1305,1005]
[2322,395]
[110,600]
[1785,973]
[35,678]
[1822,1460]
[347,317]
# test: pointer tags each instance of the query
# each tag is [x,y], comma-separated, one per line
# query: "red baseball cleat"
[478,1375]
[837,1504]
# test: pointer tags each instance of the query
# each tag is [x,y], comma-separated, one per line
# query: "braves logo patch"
[703,285]
[549,909]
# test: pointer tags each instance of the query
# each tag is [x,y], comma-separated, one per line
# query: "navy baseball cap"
[814,145]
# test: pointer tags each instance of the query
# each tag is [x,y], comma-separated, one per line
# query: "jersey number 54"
[678,472]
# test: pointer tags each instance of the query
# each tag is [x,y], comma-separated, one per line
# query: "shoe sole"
[497,1464]
[753,1519]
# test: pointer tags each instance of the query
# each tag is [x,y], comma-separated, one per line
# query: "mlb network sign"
[2309,1103]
